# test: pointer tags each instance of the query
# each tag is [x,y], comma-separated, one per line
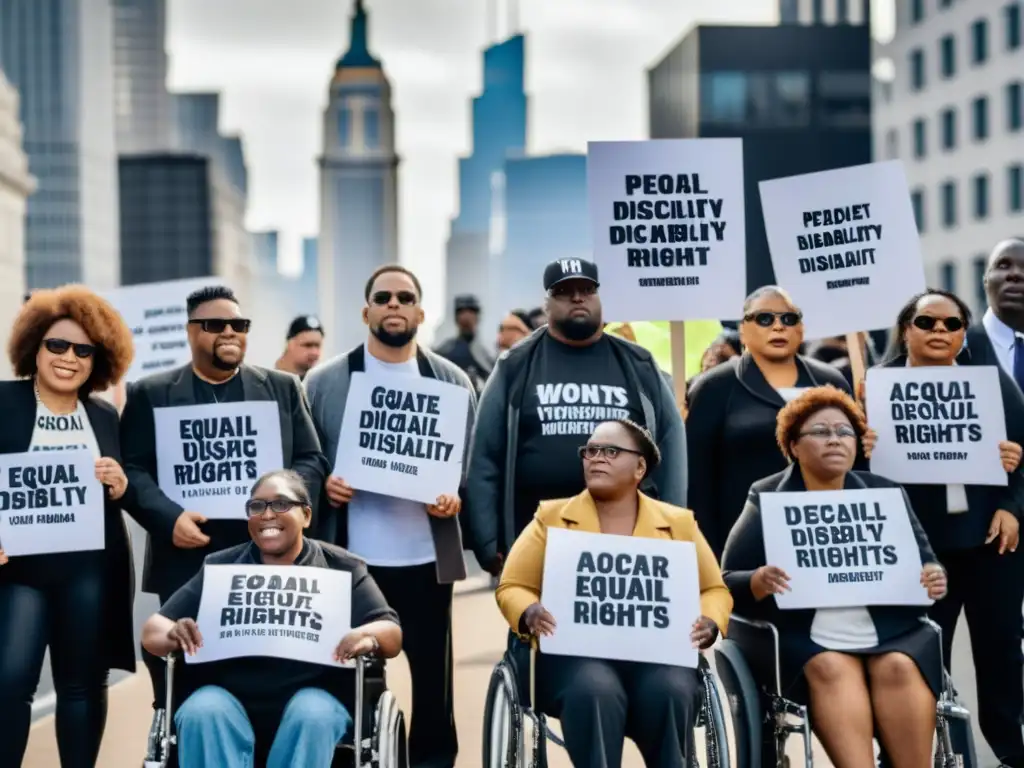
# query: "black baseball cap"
[304,323]
[467,301]
[560,270]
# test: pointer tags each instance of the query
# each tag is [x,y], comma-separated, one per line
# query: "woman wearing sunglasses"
[600,702]
[65,346]
[974,529]
[733,408]
[290,714]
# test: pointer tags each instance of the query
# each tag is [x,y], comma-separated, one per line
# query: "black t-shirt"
[569,391]
[209,394]
[264,685]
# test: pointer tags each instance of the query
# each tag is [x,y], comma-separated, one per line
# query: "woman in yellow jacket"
[600,702]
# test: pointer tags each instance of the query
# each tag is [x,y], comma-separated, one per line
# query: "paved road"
[479,642]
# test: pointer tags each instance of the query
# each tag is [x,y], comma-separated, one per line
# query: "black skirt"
[920,644]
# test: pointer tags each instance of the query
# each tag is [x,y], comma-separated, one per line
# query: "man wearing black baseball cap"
[304,345]
[545,397]
[464,349]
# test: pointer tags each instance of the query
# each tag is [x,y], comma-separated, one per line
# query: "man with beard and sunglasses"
[545,397]
[178,538]
[413,550]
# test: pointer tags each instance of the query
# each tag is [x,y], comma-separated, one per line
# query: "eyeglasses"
[237,324]
[821,432]
[383,298]
[256,507]
[928,323]
[592,451]
[767,319]
[60,346]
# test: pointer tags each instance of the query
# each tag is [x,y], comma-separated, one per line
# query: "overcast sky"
[272,61]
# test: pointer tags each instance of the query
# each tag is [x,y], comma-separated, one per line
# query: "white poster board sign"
[403,436]
[157,315]
[282,611]
[621,597]
[843,549]
[209,456]
[50,502]
[937,426]
[669,227]
[844,243]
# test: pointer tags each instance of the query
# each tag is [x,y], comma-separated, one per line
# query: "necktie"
[1018,361]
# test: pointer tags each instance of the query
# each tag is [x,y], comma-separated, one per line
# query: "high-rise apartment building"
[954,113]
[824,11]
[358,187]
[59,55]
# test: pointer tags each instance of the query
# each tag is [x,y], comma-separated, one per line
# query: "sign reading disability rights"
[403,436]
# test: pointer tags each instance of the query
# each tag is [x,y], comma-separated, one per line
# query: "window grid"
[949,212]
[979,109]
[1015,188]
[1014,106]
[917,202]
[917,78]
[980,183]
[920,139]
[979,42]
[947,56]
[948,121]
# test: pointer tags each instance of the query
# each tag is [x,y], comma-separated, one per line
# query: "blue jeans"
[214,731]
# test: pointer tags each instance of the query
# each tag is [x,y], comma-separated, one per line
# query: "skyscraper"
[358,187]
[499,130]
[59,55]
[142,104]
[824,11]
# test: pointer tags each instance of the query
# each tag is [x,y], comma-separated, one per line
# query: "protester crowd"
[569,427]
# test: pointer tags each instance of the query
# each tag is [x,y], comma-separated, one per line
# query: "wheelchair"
[763,718]
[508,712]
[381,745]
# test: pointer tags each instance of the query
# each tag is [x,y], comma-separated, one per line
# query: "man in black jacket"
[179,539]
[543,400]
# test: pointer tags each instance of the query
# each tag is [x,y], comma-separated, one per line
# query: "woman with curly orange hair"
[860,666]
[65,346]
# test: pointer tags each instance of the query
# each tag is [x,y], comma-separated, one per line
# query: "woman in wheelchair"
[862,666]
[600,702]
[232,706]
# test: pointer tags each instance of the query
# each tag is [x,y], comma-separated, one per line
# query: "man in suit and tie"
[999,338]
[179,539]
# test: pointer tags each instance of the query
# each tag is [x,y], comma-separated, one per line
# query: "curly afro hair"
[98,318]
[796,412]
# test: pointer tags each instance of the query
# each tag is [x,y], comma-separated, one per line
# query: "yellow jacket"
[523,574]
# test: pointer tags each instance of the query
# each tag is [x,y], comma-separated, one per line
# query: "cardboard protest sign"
[669,227]
[209,456]
[403,436]
[50,502]
[937,425]
[621,597]
[844,243]
[281,611]
[843,549]
[157,315]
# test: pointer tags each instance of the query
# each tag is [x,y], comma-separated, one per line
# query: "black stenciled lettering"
[400,423]
[258,601]
[621,589]
[935,413]
[55,488]
[836,239]
[839,536]
[216,451]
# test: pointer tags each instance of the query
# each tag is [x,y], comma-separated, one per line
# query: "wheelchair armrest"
[743,629]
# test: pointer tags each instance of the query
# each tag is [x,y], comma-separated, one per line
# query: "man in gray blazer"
[179,539]
[413,551]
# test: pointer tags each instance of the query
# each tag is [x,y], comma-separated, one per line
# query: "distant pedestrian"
[305,343]
[465,349]
[513,329]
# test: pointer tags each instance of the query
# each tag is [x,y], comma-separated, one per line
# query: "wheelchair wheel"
[746,707]
[389,736]
[503,722]
[716,737]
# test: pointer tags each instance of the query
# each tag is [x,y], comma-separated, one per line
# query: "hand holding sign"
[1007,528]
[446,506]
[769,580]
[3,558]
[539,621]
[109,472]
[356,643]
[1009,454]
[933,578]
[869,441]
[703,633]
[338,491]
[186,634]
[187,534]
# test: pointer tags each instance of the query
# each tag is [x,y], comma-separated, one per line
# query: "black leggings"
[68,617]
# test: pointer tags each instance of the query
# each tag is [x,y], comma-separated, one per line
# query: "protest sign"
[50,502]
[282,611]
[844,243]
[157,315]
[403,436]
[843,549]
[621,597]
[668,226]
[937,426]
[209,456]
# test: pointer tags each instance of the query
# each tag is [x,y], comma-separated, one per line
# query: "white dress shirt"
[1003,338]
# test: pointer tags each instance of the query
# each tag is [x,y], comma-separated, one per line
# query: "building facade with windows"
[954,113]
[358,187]
[798,95]
[824,11]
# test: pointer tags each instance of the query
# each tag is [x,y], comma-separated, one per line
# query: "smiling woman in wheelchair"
[862,666]
[232,705]
[600,702]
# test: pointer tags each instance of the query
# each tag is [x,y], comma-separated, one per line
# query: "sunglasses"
[60,346]
[610,452]
[928,323]
[585,290]
[256,507]
[767,319]
[383,298]
[237,324]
